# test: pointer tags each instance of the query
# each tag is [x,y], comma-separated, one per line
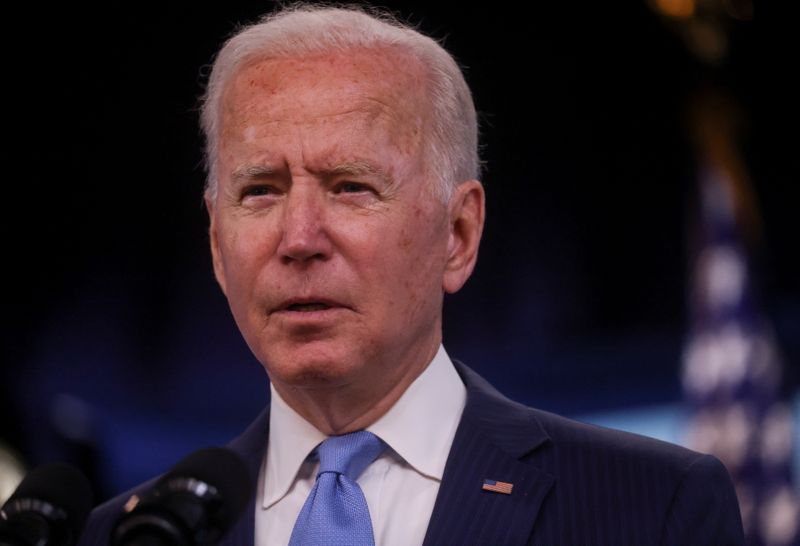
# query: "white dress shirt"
[400,486]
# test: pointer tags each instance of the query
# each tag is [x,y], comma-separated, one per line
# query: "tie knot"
[349,454]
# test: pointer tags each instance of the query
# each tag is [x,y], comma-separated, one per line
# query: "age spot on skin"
[405,242]
[250,134]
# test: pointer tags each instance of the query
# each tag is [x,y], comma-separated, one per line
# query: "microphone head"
[194,504]
[221,469]
[54,499]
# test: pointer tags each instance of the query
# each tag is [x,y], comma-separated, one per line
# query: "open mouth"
[306,307]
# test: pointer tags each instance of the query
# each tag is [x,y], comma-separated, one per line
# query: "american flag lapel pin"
[497,487]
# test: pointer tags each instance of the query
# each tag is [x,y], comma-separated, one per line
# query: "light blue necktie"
[335,512]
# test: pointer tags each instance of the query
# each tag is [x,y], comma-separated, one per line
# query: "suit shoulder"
[571,435]
[661,492]
[604,486]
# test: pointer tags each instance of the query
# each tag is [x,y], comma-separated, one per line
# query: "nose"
[304,236]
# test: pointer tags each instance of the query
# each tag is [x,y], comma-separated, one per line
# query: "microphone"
[194,504]
[49,508]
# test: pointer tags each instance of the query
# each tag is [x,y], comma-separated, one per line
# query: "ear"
[216,257]
[467,211]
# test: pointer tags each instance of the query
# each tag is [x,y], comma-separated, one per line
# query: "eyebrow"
[359,168]
[351,168]
[252,171]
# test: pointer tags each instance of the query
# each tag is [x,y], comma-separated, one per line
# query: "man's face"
[326,239]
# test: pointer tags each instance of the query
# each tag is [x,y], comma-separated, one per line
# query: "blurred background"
[639,267]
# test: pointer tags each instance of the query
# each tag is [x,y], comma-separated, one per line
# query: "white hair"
[452,148]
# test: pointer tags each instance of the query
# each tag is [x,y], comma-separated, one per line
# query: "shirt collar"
[420,427]
[284,457]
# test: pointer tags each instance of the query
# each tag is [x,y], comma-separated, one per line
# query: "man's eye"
[351,187]
[256,191]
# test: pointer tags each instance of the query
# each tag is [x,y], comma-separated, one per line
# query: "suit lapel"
[250,446]
[492,438]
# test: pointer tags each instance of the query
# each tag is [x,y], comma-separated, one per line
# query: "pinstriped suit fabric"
[574,484]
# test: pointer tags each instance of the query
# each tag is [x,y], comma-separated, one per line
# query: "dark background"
[118,350]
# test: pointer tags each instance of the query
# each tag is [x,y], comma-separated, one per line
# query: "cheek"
[423,238]
[244,249]
[417,263]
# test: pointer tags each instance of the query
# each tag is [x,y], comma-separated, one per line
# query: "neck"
[352,406]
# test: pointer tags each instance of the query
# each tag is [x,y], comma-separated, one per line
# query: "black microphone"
[49,508]
[194,504]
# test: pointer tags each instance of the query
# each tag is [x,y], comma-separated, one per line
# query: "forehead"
[374,86]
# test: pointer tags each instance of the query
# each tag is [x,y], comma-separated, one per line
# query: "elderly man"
[344,202]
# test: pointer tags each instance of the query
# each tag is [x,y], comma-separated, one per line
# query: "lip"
[284,307]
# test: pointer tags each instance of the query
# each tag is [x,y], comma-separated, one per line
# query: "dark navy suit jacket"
[573,484]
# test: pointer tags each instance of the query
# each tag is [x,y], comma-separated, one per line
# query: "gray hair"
[452,148]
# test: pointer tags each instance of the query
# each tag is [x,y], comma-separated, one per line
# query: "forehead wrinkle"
[272,123]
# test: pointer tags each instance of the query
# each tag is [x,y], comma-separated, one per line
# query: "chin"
[312,367]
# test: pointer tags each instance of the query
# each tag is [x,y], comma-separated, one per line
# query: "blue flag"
[732,370]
